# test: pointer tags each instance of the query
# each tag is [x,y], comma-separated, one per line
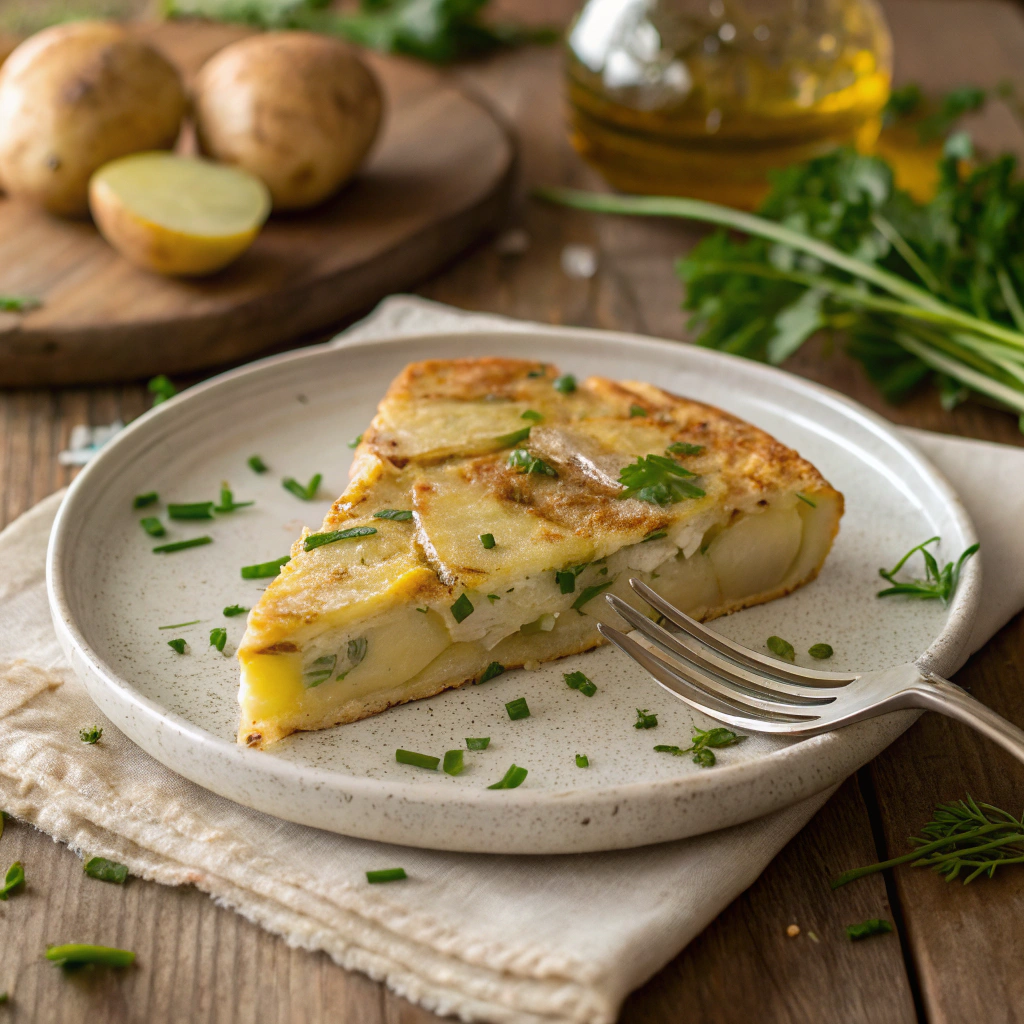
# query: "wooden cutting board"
[439,176]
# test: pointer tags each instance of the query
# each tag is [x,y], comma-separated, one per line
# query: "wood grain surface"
[412,208]
[956,956]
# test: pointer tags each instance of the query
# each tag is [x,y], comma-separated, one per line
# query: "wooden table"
[959,951]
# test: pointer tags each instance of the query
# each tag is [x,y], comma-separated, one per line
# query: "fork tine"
[734,652]
[685,686]
[725,671]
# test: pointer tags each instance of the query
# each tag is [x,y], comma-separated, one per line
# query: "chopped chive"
[523,461]
[227,501]
[307,493]
[419,760]
[75,954]
[478,743]
[513,777]
[161,388]
[493,597]
[578,681]
[820,651]
[218,638]
[398,515]
[356,441]
[423,610]
[645,720]
[657,535]
[533,416]
[538,373]
[781,648]
[806,500]
[181,545]
[145,500]
[507,440]
[582,761]
[453,762]
[14,879]
[566,384]
[492,671]
[462,609]
[192,510]
[589,593]
[318,540]
[178,645]
[257,465]
[637,410]
[386,875]
[684,448]
[106,870]
[93,735]
[232,610]
[180,625]
[517,709]
[264,570]
[153,526]
[866,929]
[487,539]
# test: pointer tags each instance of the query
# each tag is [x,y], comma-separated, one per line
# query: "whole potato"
[74,97]
[296,109]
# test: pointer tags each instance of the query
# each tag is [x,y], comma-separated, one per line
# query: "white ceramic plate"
[109,594]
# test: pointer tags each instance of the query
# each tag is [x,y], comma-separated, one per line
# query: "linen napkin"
[487,938]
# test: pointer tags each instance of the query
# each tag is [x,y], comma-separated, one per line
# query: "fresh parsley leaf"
[386,875]
[645,720]
[161,388]
[178,645]
[492,671]
[589,593]
[257,465]
[106,870]
[657,480]
[14,880]
[820,651]
[232,610]
[318,540]
[307,493]
[462,608]
[218,638]
[524,462]
[938,584]
[512,779]
[703,745]
[264,570]
[145,500]
[781,648]
[864,930]
[93,735]
[396,515]
[517,709]
[578,681]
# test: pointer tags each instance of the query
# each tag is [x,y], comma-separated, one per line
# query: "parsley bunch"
[919,291]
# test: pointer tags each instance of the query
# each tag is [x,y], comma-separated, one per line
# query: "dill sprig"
[938,584]
[962,836]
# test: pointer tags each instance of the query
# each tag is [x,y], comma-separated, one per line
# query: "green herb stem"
[417,760]
[386,875]
[76,954]
[181,545]
[264,570]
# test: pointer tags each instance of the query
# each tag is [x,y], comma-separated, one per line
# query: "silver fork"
[751,691]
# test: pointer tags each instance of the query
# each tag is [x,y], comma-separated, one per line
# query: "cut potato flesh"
[490,565]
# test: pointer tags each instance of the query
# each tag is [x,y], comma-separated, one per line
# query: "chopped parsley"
[453,764]
[478,742]
[356,441]
[492,671]
[589,593]
[864,930]
[318,540]
[227,501]
[684,448]
[513,778]
[524,462]
[487,539]
[232,610]
[645,720]
[657,480]
[656,535]
[161,388]
[264,570]
[14,879]
[533,416]
[178,645]
[75,954]
[781,648]
[566,578]
[106,870]
[417,760]
[637,410]
[701,745]
[192,510]
[566,384]
[257,465]
[538,372]
[397,515]
[218,638]
[806,500]
[307,493]
[462,609]
[820,651]
[493,597]
[386,875]
[145,500]
[517,709]
[508,440]
[578,681]
[153,526]
[181,545]
[93,735]
[582,761]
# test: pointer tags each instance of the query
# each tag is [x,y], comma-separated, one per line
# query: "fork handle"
[933,693]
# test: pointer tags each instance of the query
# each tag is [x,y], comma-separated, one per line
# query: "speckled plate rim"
[258,781]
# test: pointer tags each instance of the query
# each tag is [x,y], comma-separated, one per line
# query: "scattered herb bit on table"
[645,720]
[820,651]
[478,742]
[93,735]
[517,709]
[578,681]
[417,760]
[181,545]
[938,584]
[161,388]
[234,609]
[106,870]
[513,778]
[179,645]
[386,875]
[76,954]
[264,570]
[582,761]
[218,638]
[864,930]
[257,465]
[13,880]
[307,493]
[781,648]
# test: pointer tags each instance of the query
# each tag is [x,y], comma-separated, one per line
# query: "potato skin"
[72,98]
[296,109]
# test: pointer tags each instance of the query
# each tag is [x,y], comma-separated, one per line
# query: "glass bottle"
[703,97]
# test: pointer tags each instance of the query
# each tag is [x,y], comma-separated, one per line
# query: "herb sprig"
[702,745]
[657,480]
[938,584]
